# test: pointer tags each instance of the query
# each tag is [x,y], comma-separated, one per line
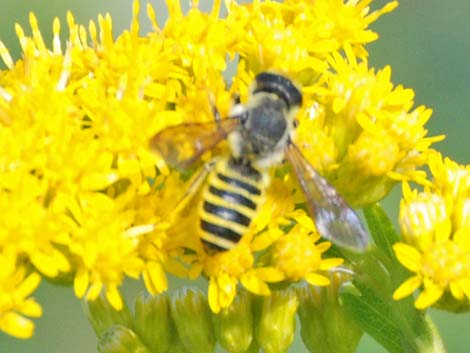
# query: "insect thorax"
[265,126]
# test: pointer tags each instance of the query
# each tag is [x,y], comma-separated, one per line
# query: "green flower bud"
[120,339]
[253,348]
[152,321]
[192,318]
[325,326]
[276,327]
[102,315]
[233,326]
[177,346]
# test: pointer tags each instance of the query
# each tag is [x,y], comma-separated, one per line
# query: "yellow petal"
[195,271]
[60,261]
[155,278]
[327,264]
[29,285]
[456,290]
[265,239]
[408,256]
[465,285]
[269,274]
[16,325]
[227,290]
[44,264]
[30,308]
[255,285]
[428,297]
[81,281]
[407,287]
[98,181]
[317,280]
[338,104]
[94,290]
[213,296]
[114,297]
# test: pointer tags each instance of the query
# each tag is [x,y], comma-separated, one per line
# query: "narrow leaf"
[379,319]
[381,228]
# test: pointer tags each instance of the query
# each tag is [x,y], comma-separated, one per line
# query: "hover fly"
[259,135]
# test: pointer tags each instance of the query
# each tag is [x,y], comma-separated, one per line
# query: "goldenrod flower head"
[295,36]
[16,286]
[23,194]
[331,25]
[225,270]
[297,255]
[76,119]
[435,224]
[366,127]
[104,251]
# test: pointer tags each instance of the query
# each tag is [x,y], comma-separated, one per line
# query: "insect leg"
[195,184]
[215,111]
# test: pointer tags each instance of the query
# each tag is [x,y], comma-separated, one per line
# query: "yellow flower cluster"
[84,201]
[436,225]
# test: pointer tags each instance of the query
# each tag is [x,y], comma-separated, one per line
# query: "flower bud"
[191,316]
[152,321]
[120,339]
[234,325]
[325,326]
[276,327]
[102,315]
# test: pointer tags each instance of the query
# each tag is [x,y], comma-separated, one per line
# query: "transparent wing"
[182,145]
[334,218]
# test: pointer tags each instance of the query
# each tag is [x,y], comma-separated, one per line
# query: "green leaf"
[375,316]
[382,229]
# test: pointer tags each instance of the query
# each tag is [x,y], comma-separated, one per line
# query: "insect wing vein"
[182,145]
[334,218]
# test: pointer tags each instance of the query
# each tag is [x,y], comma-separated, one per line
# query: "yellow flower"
[295,36]
[104,252]
[364,125]
[36,235]
[298,256]
[435,224]
[76,120]
[225,270]
[16,285]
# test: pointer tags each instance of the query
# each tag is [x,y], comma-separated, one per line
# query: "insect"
[259,135]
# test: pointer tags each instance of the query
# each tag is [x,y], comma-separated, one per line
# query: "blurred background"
[427,44]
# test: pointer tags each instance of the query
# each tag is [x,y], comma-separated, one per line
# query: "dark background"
[425,41]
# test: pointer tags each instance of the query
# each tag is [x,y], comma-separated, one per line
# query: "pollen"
[295,245]
[446,263]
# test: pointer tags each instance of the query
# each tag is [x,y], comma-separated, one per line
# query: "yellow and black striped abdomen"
[229,202]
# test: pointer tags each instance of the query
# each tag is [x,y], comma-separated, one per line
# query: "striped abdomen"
[229,203]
